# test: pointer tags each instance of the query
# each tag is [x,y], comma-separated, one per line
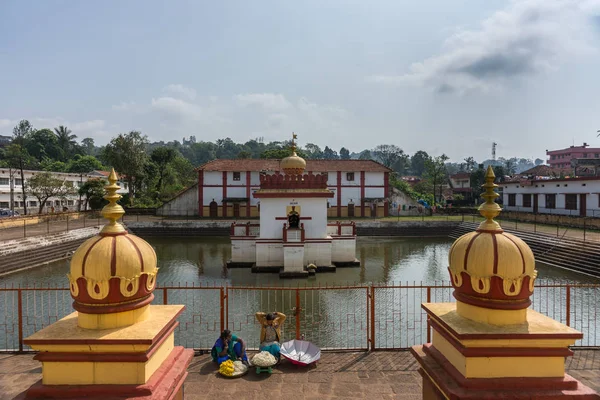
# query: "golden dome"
[113,271]
[294,164]
[490,268]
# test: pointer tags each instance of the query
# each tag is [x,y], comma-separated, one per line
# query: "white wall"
[589,187]
[347,194]
[374,178]
[213,178]
[211,193]
[184,204]
[270,228]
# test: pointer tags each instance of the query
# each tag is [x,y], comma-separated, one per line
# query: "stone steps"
[176,231]
[32,258]
[563,252]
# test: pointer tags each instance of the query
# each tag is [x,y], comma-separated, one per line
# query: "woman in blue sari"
[229,347]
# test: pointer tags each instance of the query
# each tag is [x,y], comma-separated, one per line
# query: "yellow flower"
[226,368]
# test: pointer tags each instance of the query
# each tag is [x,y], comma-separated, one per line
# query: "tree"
[162,157]
[244,154]
[470,164]
[43,144]
[388,154]
[88,146]
[477,179]
[278,154]
[17,155]
[83,165]
[66,141]
[127,154]
[48,164]
[510,166]
[313,151]
[329,154]
[44,185]
[435,172]
[417,162]
[365,155]
[93,190]
[538,161]
[344,154]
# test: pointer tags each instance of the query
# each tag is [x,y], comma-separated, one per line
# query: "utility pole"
[11,182]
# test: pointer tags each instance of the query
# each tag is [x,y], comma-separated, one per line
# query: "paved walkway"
[338,375]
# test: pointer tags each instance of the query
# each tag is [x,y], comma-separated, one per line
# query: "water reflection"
[197,261]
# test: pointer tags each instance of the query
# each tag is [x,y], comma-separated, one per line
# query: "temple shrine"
[490,344]
[293,236]
[116,345]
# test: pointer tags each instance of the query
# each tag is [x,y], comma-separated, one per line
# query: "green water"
[201,260]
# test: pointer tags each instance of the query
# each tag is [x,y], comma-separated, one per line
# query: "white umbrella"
[300,352]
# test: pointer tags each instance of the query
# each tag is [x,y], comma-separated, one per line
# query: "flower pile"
[226,368]
[264,359]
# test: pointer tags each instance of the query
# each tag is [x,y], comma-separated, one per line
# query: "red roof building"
[225,188]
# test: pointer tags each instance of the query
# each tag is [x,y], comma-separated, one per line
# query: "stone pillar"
[489,344]
[115,345]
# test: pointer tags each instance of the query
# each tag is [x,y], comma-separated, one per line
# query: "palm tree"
[66,141]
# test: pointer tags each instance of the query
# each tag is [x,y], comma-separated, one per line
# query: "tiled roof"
[460,175]
[311,165]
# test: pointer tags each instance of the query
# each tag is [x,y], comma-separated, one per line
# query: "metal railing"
[363,317]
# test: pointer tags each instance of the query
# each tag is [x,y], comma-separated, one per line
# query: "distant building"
[562,158]
[411,180]
[225,188]
[5,140]
[566,196]
[69,202]
[461,184]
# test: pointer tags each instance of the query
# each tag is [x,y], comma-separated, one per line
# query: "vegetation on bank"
[156,171]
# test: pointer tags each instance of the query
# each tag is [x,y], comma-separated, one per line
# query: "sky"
[444,76]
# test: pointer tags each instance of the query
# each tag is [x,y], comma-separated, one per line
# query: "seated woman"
[270,332]
[229,347]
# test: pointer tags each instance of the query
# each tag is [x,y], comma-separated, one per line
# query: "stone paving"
[338,375]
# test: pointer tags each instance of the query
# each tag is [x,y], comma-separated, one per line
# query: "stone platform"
[338,375]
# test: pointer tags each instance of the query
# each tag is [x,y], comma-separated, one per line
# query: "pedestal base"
[165,384]
[440,383]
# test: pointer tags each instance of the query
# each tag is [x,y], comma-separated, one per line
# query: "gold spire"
[112,211]
[294,136]
[490,208]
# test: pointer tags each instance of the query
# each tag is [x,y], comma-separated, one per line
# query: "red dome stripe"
[520,252]
[86,255]
[113,260]
[469,249]
[139,253]
[495,269]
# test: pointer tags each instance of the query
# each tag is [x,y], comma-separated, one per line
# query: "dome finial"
[294,136]
[490,208]
[112,211]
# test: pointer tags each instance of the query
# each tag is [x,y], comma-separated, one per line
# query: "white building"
[567,196]
[225,188]
[293,234]
[12,178]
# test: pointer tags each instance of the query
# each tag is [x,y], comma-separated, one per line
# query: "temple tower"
[490,344]
[116,345]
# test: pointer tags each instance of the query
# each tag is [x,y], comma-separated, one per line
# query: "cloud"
[7,125]
[179,90]
[267,101]
[527,38]
[92,125]
[125,106]
[182,111]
